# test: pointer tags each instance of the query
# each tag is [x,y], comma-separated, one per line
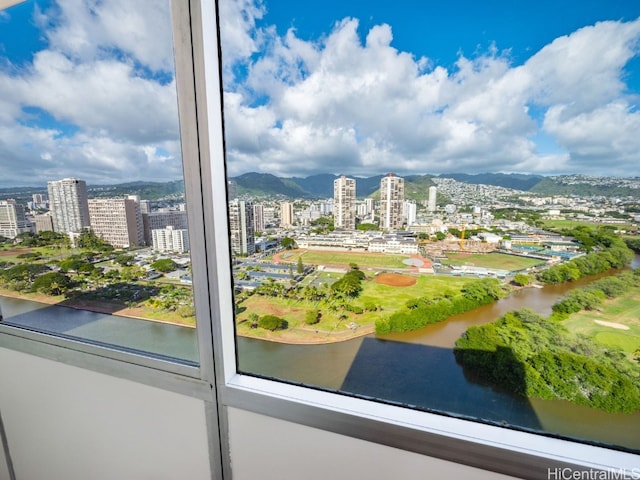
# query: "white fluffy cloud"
[341,104]
[98,102]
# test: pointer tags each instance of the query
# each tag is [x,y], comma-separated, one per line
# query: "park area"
[341,319]
[615,324]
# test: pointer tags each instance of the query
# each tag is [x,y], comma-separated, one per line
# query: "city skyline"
[355,88]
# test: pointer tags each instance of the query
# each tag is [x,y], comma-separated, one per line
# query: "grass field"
[492,260]
[388,299]
[319,257]
[623,311]
[46,253]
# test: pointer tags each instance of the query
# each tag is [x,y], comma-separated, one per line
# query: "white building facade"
[170,239]
[68,202]
[12,219]
[344,203]
[391,202]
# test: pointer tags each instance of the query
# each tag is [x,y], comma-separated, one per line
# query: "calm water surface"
[416,369]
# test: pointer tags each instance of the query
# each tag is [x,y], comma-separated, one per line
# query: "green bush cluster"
[591,297]
[312,317]
[272,322]
[426,310]
[537,357]
[614,254]
[350,284]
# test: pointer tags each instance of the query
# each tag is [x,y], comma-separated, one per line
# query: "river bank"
[107,307]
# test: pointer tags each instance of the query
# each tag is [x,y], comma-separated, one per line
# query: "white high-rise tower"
[431,206]
[391,202]
[344,203]
[69,205]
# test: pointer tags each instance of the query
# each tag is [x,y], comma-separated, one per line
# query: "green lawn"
[492,260]
[387,298]
[623,310]
[319,257]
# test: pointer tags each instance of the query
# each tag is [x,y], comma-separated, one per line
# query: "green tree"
[124,259]
[288,243]
[253,320]
[365,227]
[312,317]
[130,274]
[88,239]
[51,283]
[300,268]
[164,265]
[272,322]
[440,236]
[521,279]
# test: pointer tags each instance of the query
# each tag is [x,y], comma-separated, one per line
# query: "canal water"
[415,369]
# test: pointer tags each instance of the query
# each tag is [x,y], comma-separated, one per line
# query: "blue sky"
[355,87]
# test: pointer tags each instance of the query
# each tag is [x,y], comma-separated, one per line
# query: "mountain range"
[321,186]
[417,186]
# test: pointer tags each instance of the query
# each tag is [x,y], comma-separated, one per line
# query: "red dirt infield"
[395,280]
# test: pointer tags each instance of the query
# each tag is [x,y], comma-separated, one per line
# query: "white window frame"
[488,447]
[216,379]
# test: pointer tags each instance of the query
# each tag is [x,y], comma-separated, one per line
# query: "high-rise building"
[39,200]
[431,206]
[162,219]
[286,214]
[258,218]
[371,204]
[68,204]
[344,203]
[232,190]
[409,211]
[118,221]
[12,219]
[269,216]
[43,223]
[170,239]
[145,206]
[241,227]
[391,202]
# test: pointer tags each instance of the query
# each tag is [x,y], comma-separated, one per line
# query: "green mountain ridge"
[321,186]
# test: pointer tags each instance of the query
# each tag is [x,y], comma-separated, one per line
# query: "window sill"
[153,370]
[494,448]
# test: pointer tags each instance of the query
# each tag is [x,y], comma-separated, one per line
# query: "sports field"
[499,261]
[616,324]
[322,257]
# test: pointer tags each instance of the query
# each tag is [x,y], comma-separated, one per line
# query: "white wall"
[4,470]
[67,423]
[266,448]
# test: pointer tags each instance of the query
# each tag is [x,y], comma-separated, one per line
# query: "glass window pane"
[93,225]
[437,206]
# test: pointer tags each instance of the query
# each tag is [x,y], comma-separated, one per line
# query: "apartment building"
[118,221]
[68,202]
[344,203]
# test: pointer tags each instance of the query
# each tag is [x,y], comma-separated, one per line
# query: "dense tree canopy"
[537,357]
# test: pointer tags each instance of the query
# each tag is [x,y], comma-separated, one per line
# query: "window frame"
[216,380]
[502,450]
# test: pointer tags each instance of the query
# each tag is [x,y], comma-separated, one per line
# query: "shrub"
[312,317]
[272,322]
